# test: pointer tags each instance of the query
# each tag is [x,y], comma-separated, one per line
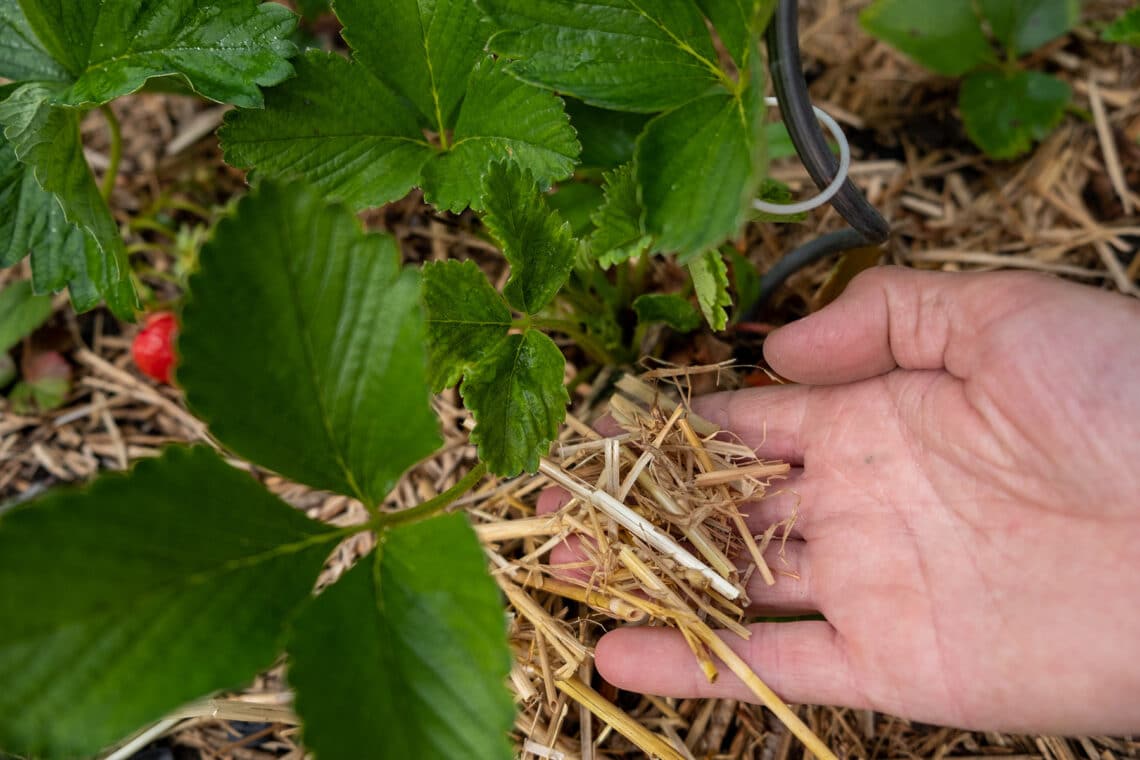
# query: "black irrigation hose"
[808,253]
[868,225]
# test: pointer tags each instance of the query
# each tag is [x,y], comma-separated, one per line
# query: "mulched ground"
[1070,208]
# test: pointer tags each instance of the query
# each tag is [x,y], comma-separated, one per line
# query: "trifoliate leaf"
[607,137]
[1005,114]
[618,234]
[669,308]
[501,119]
[224,48]
[336,126]
[518,399]
[36,224]
[424,50]
[22,57]
[21,312]
[344,131]
[407,653]
[46,138]
[698,167]
[944,36]
[177,579]
[323,376]
[466,318]
[710,281]
[620,54]
[1125,29]
[1023,25]
[535,241]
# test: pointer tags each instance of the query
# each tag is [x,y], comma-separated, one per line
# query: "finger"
[770,420]
[891,317]
[792,593]
[804,662]
[551,500]
[568,557]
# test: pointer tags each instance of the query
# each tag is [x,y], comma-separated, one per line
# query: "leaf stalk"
[431,506]
[115,132]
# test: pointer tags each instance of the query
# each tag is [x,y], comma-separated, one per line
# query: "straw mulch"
[1071,208]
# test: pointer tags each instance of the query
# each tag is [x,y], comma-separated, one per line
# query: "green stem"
[142,223]
[189,207]
[570,329]
[434,505]
[640,273]
[116,135]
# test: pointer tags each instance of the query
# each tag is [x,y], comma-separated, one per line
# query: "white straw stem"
[637,525]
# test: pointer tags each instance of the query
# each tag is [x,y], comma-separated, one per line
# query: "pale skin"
[966,454]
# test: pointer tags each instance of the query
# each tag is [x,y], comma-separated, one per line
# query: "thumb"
[891,317]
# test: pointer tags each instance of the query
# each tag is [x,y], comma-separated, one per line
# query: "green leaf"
[518,399]
[1023,25]
[535,241]
[21,312]
[710,280]
[745,282]
[669,308]
[1125,29]
[779,142]
[21,54]
[35,224]
[577,202]
[175,580]
[738,23]
[8,373]
[944,36]
[311,9]
[698,167]
[775,191]
[424,50]
[501,119]
[224,48]
[338,127]
[620,54]
[355,140]
[308,357]
[46,138]
[420,628]
[618,234]
[608,137]
[466,318]
[1005,114]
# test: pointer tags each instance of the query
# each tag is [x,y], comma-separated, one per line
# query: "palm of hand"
[969,525]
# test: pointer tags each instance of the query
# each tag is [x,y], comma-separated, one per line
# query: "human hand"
[966,451]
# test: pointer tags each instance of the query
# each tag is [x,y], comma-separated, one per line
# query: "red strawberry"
[153,348]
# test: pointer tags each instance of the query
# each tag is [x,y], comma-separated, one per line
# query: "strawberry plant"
[1005,107]
[184,576]
[68,58]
